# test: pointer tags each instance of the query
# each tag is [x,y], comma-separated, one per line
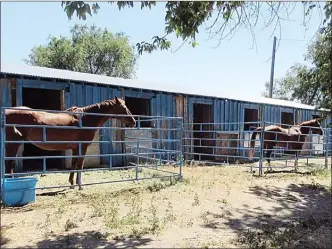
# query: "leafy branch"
[184,18]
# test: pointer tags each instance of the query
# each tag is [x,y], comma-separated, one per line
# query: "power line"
[283,39]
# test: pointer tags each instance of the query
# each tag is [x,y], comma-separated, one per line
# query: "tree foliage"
[311,85]
[184,18]
[89,50]
[284,87]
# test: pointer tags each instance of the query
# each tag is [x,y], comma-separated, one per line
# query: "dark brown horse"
[30,117]
[291,138]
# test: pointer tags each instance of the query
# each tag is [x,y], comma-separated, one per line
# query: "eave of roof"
[51,73]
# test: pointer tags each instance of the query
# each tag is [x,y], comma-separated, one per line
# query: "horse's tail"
[252,142]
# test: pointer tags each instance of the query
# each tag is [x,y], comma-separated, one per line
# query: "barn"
[224,116]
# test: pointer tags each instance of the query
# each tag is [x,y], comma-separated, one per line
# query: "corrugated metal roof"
[43,72]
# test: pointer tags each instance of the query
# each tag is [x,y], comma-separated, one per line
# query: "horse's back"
[26,115]
[56,119]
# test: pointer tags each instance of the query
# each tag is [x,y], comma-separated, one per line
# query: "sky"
[235,68]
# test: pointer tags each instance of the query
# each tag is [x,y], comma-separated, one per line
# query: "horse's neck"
[304,130]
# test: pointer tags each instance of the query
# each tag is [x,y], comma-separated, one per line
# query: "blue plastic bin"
[17,192]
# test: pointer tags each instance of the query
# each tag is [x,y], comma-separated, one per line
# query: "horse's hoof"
[72,187]
[80,188]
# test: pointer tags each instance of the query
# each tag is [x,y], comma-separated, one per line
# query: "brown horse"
[30,117]
[291,138]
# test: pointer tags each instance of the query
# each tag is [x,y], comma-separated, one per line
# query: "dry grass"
[210,207]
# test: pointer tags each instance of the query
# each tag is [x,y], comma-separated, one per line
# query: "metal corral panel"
[83,95]
[164,105]
[330,142]
[5,98]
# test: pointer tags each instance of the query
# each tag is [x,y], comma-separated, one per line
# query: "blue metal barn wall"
[39,84]
[5,100]
[231,113]
[86,94]
[79,94]
[162,104]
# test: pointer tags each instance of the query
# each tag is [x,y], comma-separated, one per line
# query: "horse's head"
[314,125]
[122,109]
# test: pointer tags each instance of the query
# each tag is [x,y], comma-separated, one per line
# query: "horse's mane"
[309,122]
[93,108]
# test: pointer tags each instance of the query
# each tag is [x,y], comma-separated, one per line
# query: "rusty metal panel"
[5,93]
[179,106]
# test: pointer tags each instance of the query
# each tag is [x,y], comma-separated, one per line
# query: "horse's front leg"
[296,161]
[12,134]
[11,151]
[73,167]
[80,165]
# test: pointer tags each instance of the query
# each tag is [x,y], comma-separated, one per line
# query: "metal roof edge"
[60,74]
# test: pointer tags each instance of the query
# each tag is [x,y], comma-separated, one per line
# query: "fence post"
[181,148]
[79,173]
[327,137]
[137,148]
[261,156]
[44,140]
[3,153]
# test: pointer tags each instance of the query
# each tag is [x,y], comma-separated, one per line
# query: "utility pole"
[272,66]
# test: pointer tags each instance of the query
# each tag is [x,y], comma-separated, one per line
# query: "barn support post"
[137,148]
[181,157]
[261,154]
[327,149]
[3,152]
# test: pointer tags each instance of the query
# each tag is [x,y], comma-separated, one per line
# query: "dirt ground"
[211,207]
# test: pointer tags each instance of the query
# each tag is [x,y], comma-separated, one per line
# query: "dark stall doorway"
[49,100]
[287,119]
[250,119]
[202,139]
[139,106]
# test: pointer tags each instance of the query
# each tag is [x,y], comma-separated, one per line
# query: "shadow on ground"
[91,239]
[298,216]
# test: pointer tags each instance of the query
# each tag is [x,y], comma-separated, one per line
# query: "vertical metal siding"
[83,95]
[105,135]
[162,104]
[272,114]
[5,97]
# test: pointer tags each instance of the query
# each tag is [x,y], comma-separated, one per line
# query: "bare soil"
[211,207]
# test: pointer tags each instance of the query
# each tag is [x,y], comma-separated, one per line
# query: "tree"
[185,18]
[312,85]
[284,87]
[308,85]
[89,50]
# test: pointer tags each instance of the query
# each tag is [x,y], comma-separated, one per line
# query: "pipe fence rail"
[208,143]
[154,142]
